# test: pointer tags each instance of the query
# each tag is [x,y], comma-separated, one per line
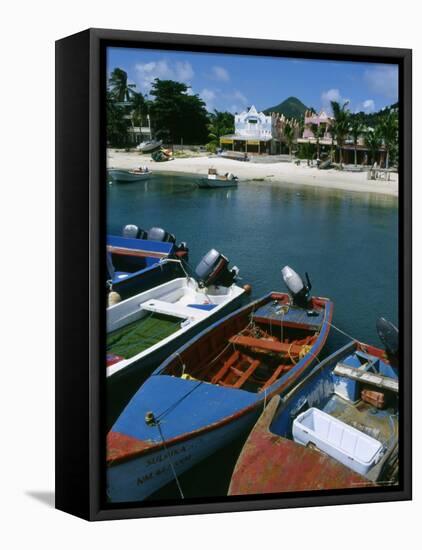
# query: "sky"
[234,82]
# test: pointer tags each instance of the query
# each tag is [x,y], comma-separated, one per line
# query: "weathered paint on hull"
[137,479]
[122,385]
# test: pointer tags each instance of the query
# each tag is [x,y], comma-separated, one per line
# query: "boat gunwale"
[128,363]
[277,386]
[262,427]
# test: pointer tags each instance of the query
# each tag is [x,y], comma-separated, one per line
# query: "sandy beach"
[276,172]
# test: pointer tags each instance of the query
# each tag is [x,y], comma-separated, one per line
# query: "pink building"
[322,120]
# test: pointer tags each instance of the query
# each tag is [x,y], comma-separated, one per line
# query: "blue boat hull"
[122,385]
[137,479]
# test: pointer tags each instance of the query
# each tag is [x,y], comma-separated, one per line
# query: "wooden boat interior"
[341,395]
[252,350]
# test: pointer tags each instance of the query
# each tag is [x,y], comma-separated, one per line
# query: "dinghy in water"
[216,181]
[129,176]
[136,261]
[212,390]
[144,330]
[337,429]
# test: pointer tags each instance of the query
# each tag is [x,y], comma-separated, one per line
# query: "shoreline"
[274,173]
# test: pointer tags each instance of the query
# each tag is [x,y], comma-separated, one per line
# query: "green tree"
[288,133]
[119,87]
[317,130]
[116,122]
[220,123]
[139,109]
[356,130]
[177,114]
[389,131]
[373,141]
[340,127]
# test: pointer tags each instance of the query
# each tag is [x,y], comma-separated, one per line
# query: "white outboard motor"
[298,289]
[159,234]
[213,270]
[132,231]
[389,336]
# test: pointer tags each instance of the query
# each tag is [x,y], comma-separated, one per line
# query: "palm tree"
[373,140]
[119,87]
[317,130]
[340,127]
[356,130]
[139,108]
[221,123]
[289,135]
[388,129]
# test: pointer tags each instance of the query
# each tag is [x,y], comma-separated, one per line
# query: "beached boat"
[234,155]
[213,389]
[337,429]
[215,180]
[144,330]
[148,146]
[162,155]
[129,176]
[138,260]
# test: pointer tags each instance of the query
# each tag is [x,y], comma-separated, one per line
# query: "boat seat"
[266,345]
[175,310]
[204,307]
[371,378]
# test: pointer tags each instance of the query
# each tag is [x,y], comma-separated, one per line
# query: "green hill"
[291,107]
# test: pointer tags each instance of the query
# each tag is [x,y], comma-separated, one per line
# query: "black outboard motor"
[389,336]
[110,267]
[213,270]
[159,234]
[132,231]
[298,289]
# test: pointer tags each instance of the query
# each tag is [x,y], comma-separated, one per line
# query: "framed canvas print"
[233,274]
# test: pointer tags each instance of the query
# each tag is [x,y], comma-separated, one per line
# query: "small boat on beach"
[129,176]
[143,330]
[162,155]
[234,155]
[138,259]
[215,180]
[149,146]
[336,429]
[214,388]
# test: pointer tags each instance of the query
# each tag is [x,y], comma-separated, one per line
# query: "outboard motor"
[298,289]
[159,234]
[132,231]
[213,270]
[389,336]
[110,267]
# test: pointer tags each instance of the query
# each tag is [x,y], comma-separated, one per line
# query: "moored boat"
[337,429]
[215,180]
[144,330]
[213,389]
[138,260]
[148,146]
[128,176]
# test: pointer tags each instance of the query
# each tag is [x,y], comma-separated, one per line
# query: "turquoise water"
[347,241]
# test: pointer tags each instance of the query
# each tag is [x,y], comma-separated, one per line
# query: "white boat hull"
[127,176]
[137,479]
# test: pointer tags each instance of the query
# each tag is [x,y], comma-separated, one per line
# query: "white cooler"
[351,447]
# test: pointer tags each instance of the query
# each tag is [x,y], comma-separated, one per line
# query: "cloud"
[219,73]
[146,73]
[367,106]
[333,94]
[208,96]
[383,80]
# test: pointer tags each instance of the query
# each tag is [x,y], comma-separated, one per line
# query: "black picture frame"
[80,238]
